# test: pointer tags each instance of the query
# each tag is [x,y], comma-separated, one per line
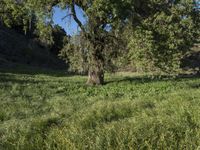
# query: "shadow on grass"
[37,71]
[5,78]
[8,74]
[12,76]
[149,79]
[60,73]
[195,86]
[20,81]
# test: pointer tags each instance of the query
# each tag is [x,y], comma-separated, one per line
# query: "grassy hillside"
[17,49]
[51,110]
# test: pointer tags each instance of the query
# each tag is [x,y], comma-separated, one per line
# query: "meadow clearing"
[52,110]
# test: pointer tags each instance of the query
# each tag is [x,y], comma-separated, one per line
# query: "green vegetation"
[49,110]
[55,110]
[153,35]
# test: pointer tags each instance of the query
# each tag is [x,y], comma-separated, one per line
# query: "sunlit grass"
[58,111]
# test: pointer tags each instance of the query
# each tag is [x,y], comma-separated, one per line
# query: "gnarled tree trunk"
[95,77]
[96,67]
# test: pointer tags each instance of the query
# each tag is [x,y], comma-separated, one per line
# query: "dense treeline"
[152,35]
[16,15]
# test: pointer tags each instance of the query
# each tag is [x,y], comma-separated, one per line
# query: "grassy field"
[48,110]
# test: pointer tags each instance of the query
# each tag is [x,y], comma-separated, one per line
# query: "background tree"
[33,22]
[14,14]
[60,38]
[164,37]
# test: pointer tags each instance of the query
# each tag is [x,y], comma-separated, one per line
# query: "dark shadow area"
[195,86]
[18,48]
[18,81]
[16,68]
[36,71]
[192,61]
[5,78]
[8,75]
[149,79]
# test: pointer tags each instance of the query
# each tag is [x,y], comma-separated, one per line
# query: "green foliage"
[160,32]
[165,37]
[14,14]
[60,39]
[47,110]
[100,33]
[29,17]
[45,34]
[75,53]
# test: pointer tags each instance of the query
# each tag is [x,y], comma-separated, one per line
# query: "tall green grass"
[48,111]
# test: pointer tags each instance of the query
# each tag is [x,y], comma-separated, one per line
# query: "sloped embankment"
[17,49]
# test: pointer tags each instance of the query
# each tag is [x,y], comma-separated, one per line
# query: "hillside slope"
[16,49]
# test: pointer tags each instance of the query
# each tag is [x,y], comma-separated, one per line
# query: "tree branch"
[72,5]
[69,15]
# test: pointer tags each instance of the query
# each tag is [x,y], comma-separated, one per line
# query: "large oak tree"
[104,19]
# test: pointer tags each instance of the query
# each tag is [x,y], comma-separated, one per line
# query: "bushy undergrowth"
[59,112]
